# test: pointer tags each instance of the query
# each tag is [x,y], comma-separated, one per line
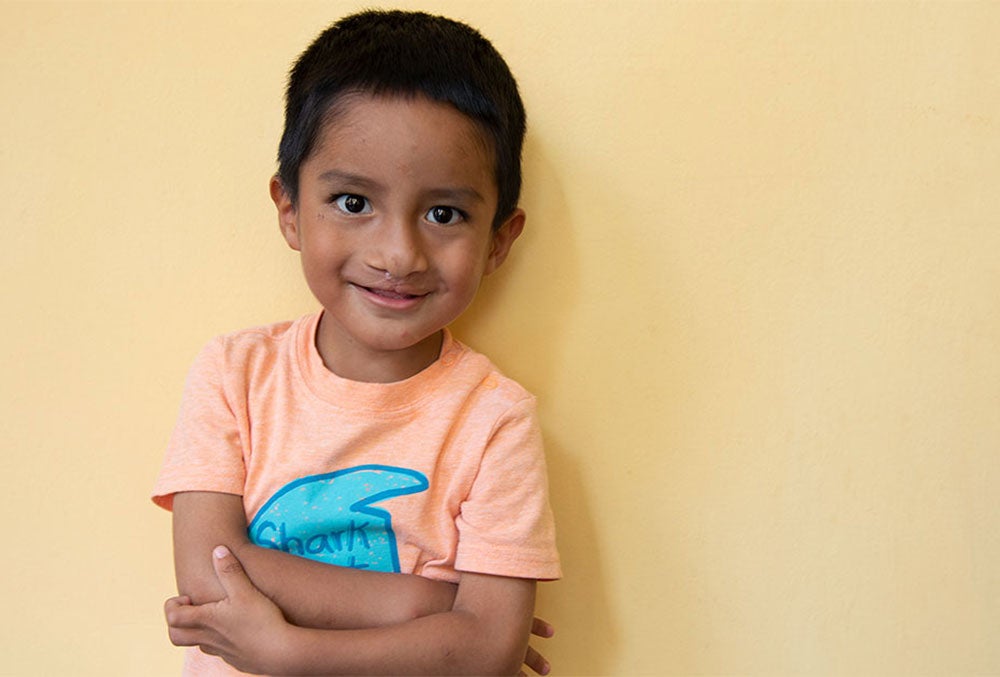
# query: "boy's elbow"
[498,655]
[196,577]
[499,663]
[200,588]
[509,661]
[506,666]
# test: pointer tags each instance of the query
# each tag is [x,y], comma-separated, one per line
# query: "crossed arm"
[267,611]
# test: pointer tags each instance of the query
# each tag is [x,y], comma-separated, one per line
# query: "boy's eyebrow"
[335,175]
[467,193]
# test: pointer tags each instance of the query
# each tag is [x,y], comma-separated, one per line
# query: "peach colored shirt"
[452,456]
[438,474]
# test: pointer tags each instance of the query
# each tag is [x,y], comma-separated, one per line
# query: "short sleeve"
[506,526]
[204,452]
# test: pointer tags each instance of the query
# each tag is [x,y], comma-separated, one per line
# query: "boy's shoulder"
[481,368]
[243,348]
[259,335]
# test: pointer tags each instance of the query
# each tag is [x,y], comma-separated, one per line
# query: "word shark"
[331,517]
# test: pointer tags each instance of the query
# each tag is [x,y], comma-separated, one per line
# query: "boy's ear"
[287,213]
[503,238]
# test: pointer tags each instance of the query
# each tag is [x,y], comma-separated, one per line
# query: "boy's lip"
[397,296]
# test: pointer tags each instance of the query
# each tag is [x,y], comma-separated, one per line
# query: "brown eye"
[444,216]
[353,204]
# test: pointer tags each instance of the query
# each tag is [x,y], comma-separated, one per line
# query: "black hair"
[396,53]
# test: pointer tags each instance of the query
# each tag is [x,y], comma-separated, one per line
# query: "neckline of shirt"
[343,393]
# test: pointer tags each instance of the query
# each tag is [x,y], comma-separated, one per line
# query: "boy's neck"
[350,361]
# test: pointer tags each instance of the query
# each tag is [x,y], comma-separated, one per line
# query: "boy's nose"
[397,249]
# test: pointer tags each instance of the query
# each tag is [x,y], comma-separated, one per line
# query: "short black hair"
[396,53]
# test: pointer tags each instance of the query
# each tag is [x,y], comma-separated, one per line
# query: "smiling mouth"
[390,293]
[396,299]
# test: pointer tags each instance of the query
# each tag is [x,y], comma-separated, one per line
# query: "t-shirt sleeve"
[204,452]
[506,527]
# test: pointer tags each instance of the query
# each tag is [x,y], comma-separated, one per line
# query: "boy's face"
[393,224]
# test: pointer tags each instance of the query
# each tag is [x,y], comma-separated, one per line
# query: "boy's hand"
[532,658]
[245,628]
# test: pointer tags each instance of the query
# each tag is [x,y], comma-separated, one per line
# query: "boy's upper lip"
[394,289]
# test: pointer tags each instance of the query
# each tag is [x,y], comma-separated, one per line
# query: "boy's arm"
[310,594]
[485,633]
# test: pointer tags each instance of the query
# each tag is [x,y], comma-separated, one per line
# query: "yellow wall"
[757,299]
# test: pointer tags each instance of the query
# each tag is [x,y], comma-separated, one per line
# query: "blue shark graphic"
[331,518]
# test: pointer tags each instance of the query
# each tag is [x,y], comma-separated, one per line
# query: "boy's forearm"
[486,633]
[451,643]
[310,594]
[277,626]
[317,595]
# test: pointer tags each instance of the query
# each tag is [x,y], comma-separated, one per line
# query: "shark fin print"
[334,518]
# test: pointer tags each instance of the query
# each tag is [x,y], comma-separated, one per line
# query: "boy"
[366,436]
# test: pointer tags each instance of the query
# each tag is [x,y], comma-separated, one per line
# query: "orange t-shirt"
[441,473]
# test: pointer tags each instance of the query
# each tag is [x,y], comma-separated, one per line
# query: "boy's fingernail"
[220,551]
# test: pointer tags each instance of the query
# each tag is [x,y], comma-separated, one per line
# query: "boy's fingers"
[230,572]
[173,609]
[542,628]
[174,602]
[536,662]
[180,614]
[183,636]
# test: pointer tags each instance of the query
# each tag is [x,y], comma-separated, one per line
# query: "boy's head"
[405,54]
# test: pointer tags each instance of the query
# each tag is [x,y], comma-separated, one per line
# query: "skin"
[391,274]
[249,631]
[309,594]
[393,226]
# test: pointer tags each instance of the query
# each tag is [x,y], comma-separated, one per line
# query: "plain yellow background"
[758,298]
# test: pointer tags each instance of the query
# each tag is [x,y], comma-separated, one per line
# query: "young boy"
[365,436]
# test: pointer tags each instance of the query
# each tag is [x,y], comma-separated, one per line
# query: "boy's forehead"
[363,126]
[355,111]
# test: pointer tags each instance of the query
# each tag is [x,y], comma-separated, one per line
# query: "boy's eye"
[353,204]
[444,216]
